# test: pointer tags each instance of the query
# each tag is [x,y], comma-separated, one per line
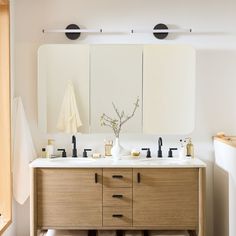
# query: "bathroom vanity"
[83,193]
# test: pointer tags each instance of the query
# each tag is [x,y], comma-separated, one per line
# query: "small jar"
[108,147]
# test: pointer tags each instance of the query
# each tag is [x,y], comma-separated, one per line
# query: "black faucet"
[74,150]
[170,153]
[159,153]
[148,152]
[85,154]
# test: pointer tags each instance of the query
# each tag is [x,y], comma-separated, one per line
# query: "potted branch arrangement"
[116,125]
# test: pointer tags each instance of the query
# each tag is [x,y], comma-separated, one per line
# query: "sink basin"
[161,160]
[72,159]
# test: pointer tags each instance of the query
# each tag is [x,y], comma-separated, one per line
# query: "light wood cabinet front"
[69,198]
[112,198]
[165,198]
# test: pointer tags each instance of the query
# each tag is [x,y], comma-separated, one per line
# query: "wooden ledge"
[230,140]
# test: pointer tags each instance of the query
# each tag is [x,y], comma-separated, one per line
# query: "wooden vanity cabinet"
[118,198]
[165,198]
[69,198]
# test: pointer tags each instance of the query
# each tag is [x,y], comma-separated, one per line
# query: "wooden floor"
[112,233]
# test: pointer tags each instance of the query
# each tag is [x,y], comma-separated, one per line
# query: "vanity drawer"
[115,178]
[117,197]
[117,216]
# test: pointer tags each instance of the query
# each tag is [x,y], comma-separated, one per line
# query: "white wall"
[216,60]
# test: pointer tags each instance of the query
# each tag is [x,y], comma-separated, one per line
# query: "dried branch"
[116,124]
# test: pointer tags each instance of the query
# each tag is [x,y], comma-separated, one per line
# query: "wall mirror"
[163,76]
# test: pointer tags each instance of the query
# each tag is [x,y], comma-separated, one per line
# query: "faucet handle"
[63,151]
[148,152]
[170,153]
[85,154]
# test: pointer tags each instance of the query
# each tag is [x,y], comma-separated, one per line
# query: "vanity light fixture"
[73,31]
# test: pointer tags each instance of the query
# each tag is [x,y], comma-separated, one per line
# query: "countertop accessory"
[44,153]
[85,154]
[50,148]
[148,152]
[135,153]
[170,153]
[117,150]
[182,148]
[74,150]
[190,148]
[96,155]
[63,154]
[108,146]
[116,125]
[159,153]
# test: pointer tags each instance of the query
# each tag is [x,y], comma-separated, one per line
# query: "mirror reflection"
[162,76]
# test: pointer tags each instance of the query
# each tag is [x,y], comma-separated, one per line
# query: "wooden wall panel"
[5,119]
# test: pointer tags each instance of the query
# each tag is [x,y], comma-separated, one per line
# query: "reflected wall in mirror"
[163,76]
[116,76]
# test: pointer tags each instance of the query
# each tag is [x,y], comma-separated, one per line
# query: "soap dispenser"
[50,148]
[182,148]
[190,148]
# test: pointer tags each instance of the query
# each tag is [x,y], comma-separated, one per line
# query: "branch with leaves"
[116,123]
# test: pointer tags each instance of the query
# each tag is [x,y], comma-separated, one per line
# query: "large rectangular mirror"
[163,76]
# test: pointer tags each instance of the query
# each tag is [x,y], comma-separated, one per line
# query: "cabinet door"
[165,198]
[69,197]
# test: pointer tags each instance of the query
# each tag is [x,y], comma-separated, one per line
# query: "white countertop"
[108,162]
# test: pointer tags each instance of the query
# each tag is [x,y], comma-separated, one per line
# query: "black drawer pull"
[138,178]
[96,177]
[117,195]
[117,215]
[117,176]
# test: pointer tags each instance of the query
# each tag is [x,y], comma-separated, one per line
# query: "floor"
[113,233]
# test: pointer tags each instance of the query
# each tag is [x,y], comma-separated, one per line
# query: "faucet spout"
[74,150]
[160,143]
[159,153]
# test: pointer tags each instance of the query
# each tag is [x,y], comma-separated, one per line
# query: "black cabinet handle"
[117,195]
[138,177]
[117,176]
[117,215]
[96,177]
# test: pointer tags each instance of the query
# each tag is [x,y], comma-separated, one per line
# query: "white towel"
[23,152]
[69,119]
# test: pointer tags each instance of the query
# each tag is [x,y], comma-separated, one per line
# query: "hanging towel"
[69,119]
[23,152]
